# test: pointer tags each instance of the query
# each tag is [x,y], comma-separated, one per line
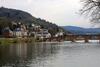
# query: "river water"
[63,54]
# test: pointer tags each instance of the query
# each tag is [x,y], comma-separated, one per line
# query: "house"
[33,30]
[43,33]
[24,30]
[59,34]
[17,32]
[21,31]
[7,32]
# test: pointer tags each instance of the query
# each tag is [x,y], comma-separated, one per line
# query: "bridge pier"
[86,41]
[99,38]
[72,38]
[86,37]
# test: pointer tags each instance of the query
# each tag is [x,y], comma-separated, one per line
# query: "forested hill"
[8,15]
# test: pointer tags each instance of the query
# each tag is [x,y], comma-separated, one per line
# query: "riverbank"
[16,40]
[25,40]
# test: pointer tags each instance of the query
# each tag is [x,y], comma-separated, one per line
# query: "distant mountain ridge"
[81,31]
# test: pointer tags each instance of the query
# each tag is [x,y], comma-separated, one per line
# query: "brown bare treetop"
[91,8]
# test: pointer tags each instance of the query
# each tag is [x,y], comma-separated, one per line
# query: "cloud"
[29,1]
[61,12]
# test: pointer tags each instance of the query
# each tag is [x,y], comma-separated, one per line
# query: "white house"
[43,34]
[59,34]
[20,32]
[17,32]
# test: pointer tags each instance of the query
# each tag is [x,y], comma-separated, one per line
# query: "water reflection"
[22,55]
[50,55]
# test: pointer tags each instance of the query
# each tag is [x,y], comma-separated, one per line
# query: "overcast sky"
[60,12]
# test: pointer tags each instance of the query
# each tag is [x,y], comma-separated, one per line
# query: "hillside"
[81,31]
[8,15]
[16,15]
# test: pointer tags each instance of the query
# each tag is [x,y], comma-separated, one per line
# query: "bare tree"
[92,9]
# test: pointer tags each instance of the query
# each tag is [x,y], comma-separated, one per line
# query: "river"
[64,54]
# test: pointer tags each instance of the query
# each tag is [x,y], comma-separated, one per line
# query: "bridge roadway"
[74,38]
[86,38]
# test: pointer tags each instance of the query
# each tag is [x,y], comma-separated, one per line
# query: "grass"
[8,41]
[16,40]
